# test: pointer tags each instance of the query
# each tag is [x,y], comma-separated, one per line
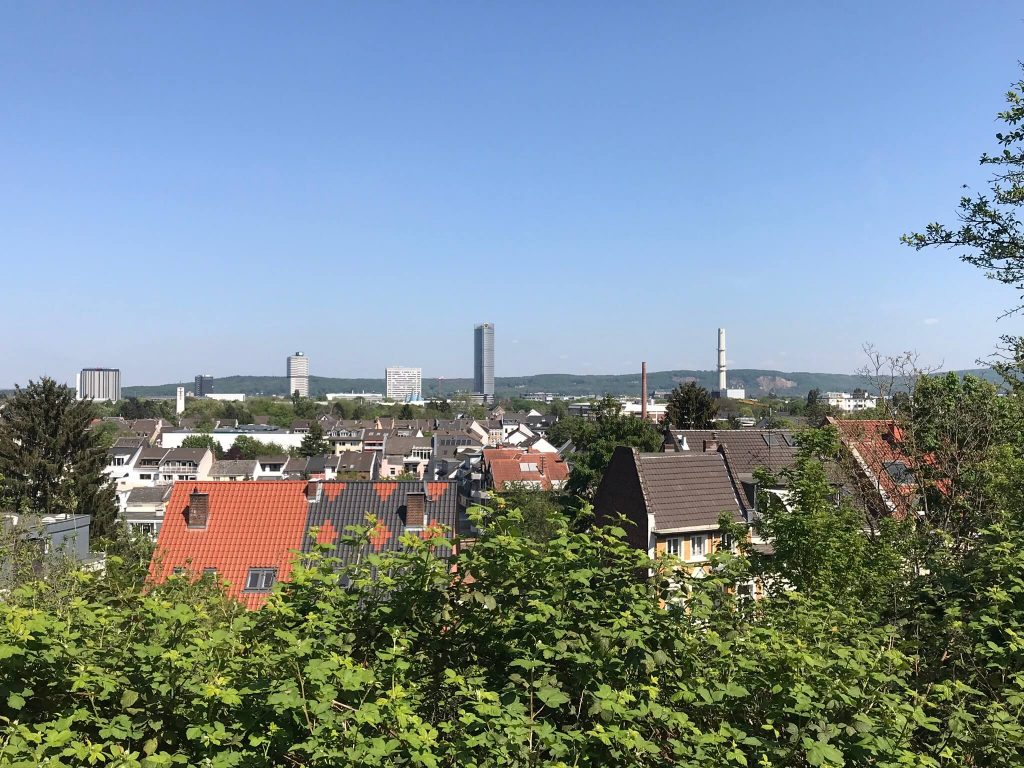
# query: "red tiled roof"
[251,524]
[877,444]
[514,465]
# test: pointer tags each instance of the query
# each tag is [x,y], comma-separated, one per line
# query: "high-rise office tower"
[204,385]
[404,384]
[483,360]
[98,384]
[298,374]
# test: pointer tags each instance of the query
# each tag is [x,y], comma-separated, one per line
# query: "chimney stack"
[643,390]
[710,446]
[313,491]
[415,510]
[197,515]
[723,385]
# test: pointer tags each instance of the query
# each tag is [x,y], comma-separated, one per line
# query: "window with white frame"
[260,579]
[674,547]
[698,547]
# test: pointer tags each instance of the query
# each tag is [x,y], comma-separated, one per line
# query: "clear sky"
[207,187]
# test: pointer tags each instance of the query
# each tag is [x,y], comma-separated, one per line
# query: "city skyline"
[672,163]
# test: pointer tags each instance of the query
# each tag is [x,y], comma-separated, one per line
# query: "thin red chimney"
[643,390]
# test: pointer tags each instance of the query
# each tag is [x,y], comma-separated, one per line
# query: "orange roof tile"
[254,524]
[878,443]
[514,465]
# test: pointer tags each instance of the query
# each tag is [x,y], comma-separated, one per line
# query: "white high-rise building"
[298,374]
[98,384]
[404,384]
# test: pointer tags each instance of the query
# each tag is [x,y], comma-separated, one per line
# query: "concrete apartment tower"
[98,384]
[483,361]
[403,384]
[298,374]
[723,386]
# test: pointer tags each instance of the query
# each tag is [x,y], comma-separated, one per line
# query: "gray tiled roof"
[233,468]
[747,449]
[356,461]
[151,495]
[687,489]
[348,504]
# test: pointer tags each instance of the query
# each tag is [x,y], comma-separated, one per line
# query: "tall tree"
[595,438]
[691,407]
[313,442]
[50,459]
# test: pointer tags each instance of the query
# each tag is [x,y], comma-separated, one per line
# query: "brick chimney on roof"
[710,446]
[313,491]
[415,509]
[197,514]
[643,390]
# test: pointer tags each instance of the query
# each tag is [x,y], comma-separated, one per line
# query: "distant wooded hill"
[756,382]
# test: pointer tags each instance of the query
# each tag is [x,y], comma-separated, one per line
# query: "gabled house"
[186,464]
[246,534]
[270,467]
[884,476]
[358,466]
[227,470]
[507,467]
[673,502]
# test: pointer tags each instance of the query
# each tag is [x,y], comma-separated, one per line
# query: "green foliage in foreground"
[555,653]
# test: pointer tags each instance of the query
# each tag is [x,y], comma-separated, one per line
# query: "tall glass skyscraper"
[483,360]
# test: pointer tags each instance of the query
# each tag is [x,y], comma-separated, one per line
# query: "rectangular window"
[145,477]
[211,572]
[674,547]
[697,547]
[260,579]
[725,545]
[178,571]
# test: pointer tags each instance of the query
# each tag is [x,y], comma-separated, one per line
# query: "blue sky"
[200,187]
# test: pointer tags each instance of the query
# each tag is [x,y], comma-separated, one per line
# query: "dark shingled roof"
[344,504]
[747,449]
[685,490]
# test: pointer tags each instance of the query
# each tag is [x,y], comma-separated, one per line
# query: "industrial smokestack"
[722,383]
[643,390]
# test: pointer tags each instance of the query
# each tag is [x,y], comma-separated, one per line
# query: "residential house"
[234,469]
[270,467]
[358,466]
[186,464]
[344,439]
[673,502]
[245,534]
[881,475]
[406,455]
[505,468]
[144,509]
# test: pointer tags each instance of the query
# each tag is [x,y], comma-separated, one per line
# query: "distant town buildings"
[404,384]
[98,384]
[298,374]
[844,401]
[203,386]
[483,361]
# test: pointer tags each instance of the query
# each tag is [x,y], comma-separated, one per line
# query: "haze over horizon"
[191,189]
